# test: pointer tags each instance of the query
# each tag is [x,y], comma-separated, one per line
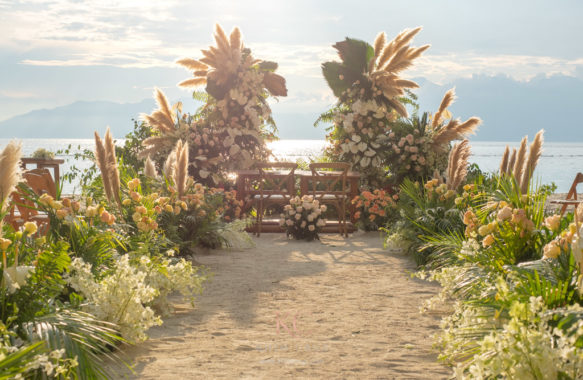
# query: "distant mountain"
[511,109]
[76,120]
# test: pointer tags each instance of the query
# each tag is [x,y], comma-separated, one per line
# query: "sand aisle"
[345,308]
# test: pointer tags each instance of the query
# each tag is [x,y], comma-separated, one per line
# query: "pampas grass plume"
[101,160]
[113,170]
[10,173]
[534,154]
[150,168]
[504,162]
[520,160]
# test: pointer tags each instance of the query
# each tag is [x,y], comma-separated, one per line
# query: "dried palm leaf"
[275,84]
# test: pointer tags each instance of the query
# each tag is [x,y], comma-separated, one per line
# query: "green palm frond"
[15,363]
[82,336]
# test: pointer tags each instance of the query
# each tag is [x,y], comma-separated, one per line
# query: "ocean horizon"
[559,162]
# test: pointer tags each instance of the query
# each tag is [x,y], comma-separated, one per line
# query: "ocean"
[559,163]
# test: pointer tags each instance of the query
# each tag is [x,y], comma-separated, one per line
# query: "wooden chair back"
[572,194]
[277,181]
[329,180]
[40,182]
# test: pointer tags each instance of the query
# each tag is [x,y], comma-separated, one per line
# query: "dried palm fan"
[150,168]
[9,172]
[222,62]
[534,154]
[101,160]
[520,160]
[112,168]
[389,60]
[504,161]
[457,168]
[164,121]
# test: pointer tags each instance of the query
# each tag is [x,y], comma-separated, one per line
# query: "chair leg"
[259,219]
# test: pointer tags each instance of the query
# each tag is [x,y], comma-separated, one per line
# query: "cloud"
[18,94]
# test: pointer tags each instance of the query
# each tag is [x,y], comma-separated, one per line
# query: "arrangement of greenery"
[230,130]
[371,127]
[43,154]
[99,273]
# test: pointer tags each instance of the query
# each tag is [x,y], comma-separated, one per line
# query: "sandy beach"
[337,308]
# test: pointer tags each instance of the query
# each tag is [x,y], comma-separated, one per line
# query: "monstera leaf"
[355,55]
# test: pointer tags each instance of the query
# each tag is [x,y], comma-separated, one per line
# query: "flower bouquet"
[374,208]
[302,218]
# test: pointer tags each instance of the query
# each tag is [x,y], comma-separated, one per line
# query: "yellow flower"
[551,250]
[126,202]
[505,213]
[484,230]
[30,228]
[488,240]
[136,217]
[62,213]
[46,199]
[5,243]
[552,222]
[135,196]
[169,208]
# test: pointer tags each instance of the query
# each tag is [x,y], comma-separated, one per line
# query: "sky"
[53,53]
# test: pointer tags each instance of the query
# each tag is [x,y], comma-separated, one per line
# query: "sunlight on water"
[559,163]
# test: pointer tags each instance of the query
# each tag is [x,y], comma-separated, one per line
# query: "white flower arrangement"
[120,297]
[302,218]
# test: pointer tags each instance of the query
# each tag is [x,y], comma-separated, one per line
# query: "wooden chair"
[276,186]
[571,199]
[40,182]
[330,187]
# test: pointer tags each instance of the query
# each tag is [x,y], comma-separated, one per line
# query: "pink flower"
[409,138]
[413,149]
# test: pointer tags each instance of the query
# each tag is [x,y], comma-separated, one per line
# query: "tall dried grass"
[10,173]
[529,166]
[102,163]
[457,168]
[390,59]
[504,161]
